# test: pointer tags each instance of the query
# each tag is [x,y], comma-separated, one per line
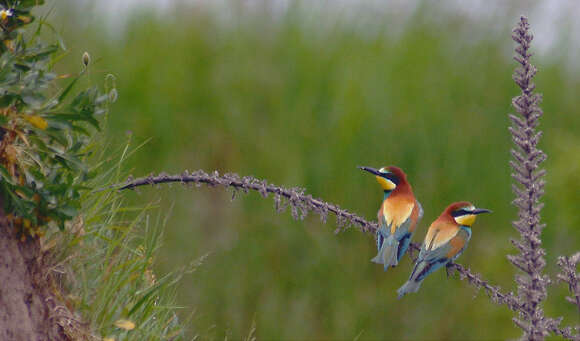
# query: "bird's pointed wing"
[433,255]
[420,207]
[403,229]
[439,234]
[449,249]
[457,244]
[380,237]
[436,244]
[415,216]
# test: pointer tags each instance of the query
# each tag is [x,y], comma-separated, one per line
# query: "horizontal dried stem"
[295,196]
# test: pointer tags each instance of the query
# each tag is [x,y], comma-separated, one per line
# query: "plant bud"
[113,95]
[86,59]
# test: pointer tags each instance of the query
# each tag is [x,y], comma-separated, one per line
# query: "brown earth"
[28,311]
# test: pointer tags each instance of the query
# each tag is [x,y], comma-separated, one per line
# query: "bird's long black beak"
[370,170]
[480,211]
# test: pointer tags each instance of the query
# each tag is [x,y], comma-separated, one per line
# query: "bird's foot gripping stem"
[450,268]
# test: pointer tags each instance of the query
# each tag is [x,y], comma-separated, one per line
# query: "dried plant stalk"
[300,203]
[528,188]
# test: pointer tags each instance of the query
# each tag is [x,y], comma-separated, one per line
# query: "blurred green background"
[301,96]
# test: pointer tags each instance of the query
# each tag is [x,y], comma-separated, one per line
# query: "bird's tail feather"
[387,254]
[415,280]
[409,286]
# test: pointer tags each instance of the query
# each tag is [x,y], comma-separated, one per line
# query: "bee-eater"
[446,240]
[398,215]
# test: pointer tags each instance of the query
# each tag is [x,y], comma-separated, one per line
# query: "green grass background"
[302,98]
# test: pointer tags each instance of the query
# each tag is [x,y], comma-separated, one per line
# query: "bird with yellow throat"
[446,239]
[398,215]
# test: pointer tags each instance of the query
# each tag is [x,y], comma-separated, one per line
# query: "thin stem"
[300,202]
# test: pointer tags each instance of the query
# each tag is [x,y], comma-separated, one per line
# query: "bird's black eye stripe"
[460,212]
[392,177]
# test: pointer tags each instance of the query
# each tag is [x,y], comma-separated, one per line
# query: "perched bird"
[446,239]
[398,215]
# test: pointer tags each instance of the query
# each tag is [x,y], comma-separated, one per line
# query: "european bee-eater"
[446,240]
[398,215]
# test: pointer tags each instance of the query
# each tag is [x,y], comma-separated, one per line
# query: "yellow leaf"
[11,153]
[109,339]
[25,20]
[36,121]
[21,194]
[22,136]
[125,324]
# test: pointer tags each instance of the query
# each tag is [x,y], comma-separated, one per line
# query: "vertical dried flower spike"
[528,188]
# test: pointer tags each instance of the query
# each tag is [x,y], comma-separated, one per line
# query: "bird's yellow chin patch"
[386,184]
[465,220]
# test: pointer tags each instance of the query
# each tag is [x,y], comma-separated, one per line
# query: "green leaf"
[81,130]
[21,67]
[34,177]
[6,175]
[30,3]
[44,51]
[68,211]
[65,92]
[60,124]
[73,162]
[6,100]
[92,121]
[148,293]
[63,117]
[57,135]
[33,99]
[26,191]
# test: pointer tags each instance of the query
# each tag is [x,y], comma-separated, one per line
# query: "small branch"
[301,204]
[569,275]
[494,292]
